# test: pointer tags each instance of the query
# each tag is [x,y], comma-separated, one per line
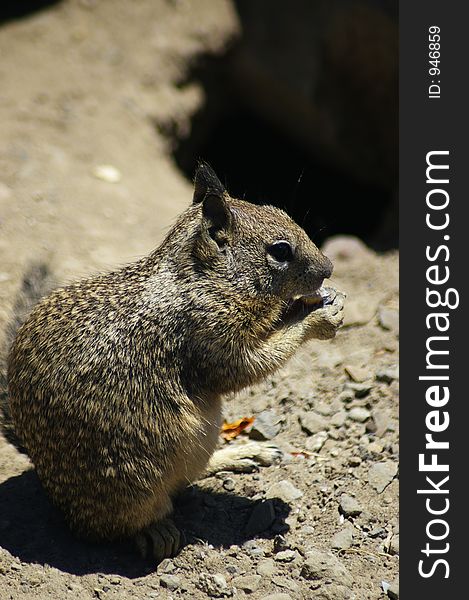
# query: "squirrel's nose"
[327,267]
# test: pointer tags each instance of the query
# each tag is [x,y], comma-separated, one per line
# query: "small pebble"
[247,583]
[228,484]
[107,173]
[357,374]
[393,590]
[315,442]
[360,390]
[286,556]
[266,567]
[359,414]
[266,426]
[394,545]
[324,565]
[214,585]
[283,582]
[280,543]
[342,540]
[339,418]
[388,318]
[387,375]
[381,474]
[171,582]
[349,506]
[312,422]
[284,490]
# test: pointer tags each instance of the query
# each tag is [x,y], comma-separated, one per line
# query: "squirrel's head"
[260,250]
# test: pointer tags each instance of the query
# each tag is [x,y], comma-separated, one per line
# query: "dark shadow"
[16,9]
[260,164]
[35,532]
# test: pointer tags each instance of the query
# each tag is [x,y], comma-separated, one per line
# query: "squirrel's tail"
[37,282]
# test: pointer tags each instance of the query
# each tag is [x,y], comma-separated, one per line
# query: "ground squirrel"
[115,381]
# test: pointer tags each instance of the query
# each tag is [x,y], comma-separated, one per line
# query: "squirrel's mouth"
[300,307]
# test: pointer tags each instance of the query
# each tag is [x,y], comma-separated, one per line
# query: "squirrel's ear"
[217,218]
[206,182]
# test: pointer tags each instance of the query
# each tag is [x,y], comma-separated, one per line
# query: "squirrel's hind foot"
[244,457]
[159,540]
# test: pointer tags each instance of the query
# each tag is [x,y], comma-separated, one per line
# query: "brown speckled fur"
[115,381]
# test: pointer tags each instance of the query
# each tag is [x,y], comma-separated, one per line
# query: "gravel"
[214,585]
[266,567]
[342,540]
[388,318]
[381,474]
[266,426]
[359,414]
[324,565]
[172,582]
[349,506]
[312,422]
[247,583]
[285,490]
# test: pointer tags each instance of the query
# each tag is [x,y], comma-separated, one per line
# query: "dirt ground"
[86,84]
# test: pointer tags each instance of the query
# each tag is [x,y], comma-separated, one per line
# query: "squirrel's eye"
[281,251]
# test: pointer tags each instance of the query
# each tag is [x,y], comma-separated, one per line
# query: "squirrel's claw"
[160,540]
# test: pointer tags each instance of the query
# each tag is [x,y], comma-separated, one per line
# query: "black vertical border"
[426,125]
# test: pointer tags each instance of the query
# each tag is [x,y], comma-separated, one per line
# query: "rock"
[324,565]
[393,590]
[394,545]
[277,596]
[228,484]
[345,247]
[349,506]
[346,396]
[354,461]
[284,490]
[247,583]
[266,426]
[339,418]
[387,375]
[359,414]
[358,311]
[381,419]
[316,441]
[360,390]
[214,585]
[280,543]
[252,548]
[283,582]
[107,173]
[262,517]
[375,448]
[323,408]
[342,540]
[266,567]
[312,422]
[388,318]
[286,556]
[171,582]
[381,474]
[357,374]
[377,532]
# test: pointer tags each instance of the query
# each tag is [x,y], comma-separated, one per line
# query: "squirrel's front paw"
[324,322]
